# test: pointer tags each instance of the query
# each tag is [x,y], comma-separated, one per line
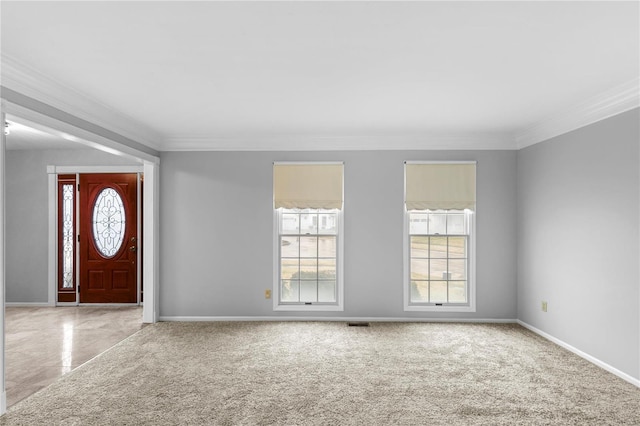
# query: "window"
[308,255]
[439,256]
[308,244]
[66,238]
[439,237]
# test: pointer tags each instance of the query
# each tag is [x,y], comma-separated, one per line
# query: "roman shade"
[307,185]
[440,186]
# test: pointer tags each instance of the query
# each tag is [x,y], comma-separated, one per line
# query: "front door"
[108,238]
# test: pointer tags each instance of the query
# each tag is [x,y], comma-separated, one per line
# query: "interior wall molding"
[307,142]
[30,82]
[29,304]
[615,101]
[333,319]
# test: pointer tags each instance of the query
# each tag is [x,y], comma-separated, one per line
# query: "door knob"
[132,248]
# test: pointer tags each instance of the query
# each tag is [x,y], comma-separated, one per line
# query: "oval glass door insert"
[109,222]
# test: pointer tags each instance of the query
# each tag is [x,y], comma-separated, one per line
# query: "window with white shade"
[439,236]
[308,236]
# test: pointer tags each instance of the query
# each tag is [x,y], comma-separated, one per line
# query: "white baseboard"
[29,305]
[333,319]
[593,360]
[67,304]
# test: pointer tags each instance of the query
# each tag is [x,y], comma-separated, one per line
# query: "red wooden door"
[108,238]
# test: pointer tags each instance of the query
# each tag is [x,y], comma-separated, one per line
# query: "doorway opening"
[99,238]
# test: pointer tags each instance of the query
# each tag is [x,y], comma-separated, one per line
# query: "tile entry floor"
[42,344]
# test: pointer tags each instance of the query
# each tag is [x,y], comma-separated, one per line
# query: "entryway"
[99,226]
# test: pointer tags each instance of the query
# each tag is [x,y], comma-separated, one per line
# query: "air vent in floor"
[358,324]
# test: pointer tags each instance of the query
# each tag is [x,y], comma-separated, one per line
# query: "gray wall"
[578,241]
[217,232]
[27,215]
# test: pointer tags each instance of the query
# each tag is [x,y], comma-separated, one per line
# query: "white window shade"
[307,186]
[440,186]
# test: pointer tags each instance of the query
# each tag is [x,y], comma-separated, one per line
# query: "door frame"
[53,172]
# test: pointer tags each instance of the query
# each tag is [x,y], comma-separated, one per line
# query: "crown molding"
[307,142]
[30,82]
[615,101]
[27,81]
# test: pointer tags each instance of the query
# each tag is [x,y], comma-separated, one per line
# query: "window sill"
[418,308]
[308,308]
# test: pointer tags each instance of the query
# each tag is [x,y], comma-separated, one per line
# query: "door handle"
[132,249]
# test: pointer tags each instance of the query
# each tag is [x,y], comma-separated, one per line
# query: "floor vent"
[358,324]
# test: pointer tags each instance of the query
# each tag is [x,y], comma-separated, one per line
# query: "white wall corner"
[615,101]
[30,82]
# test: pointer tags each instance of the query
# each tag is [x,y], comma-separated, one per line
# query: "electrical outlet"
[267,294]
[544,306]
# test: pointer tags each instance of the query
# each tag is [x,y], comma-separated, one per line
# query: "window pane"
[438,269]
[290,223]
[327,247]
[438,292]
[288,269]
[455,223]
[458,269]
[308,291]
[289,291]
[308,247]
[308,269]
[327,269]
[289,247]
[438,247]
[457,292]
[419,291]
[327,223]
[417,223]
[309,223]
[419,269]
[419,247]
[457,247]
[326,291]
[437,223]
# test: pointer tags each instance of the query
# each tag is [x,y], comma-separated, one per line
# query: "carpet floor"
[288,373]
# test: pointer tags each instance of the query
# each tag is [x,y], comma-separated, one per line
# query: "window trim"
[317,307]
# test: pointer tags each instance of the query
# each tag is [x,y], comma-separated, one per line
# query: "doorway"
[98,238]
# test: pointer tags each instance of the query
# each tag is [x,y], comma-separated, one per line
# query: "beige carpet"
[330,374]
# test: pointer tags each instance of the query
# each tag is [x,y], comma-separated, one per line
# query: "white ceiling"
[23,136]
[250,75]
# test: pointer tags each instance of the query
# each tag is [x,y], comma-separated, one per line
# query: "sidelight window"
[66,238]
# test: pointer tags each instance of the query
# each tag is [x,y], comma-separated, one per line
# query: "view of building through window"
[439,259]
[308,255]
